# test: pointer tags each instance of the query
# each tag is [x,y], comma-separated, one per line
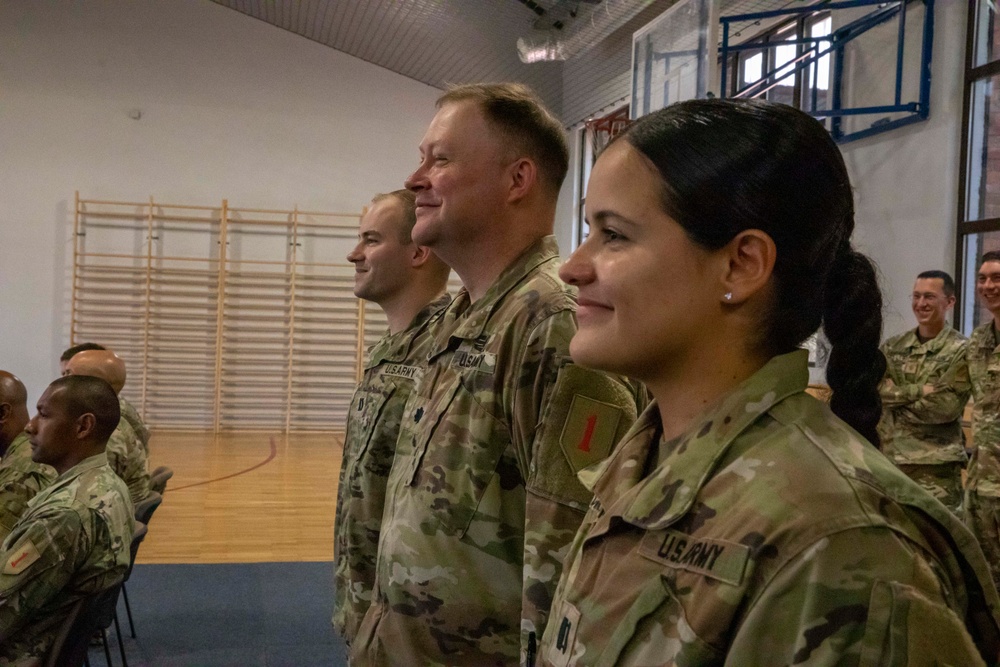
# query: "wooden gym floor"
[244,497]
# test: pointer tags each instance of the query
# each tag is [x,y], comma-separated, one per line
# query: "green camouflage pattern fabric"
[769,533]
[395,364]
[922,434]
[982,515]
[983,354]
[72,541]
[941,480]
[924,429]
[131,415]
[127,458]
[21,479]
[483,498]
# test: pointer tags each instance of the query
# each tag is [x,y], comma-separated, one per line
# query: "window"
[979,193]
[777,70]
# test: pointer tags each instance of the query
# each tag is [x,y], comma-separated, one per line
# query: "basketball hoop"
[600,131]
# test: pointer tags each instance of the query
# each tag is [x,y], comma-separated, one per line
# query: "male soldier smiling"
[483,498]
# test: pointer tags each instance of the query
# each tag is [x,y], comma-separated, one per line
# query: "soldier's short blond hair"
[526,125]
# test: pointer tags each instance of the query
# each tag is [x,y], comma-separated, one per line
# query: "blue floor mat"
[232,615]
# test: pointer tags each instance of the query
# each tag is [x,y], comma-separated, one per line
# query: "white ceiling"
[441,42]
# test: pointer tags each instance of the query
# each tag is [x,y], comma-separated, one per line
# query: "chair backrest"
[87,617]
[137,537]
[144,509]
[159,477]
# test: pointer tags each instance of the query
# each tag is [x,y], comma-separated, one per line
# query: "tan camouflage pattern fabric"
[982,498]
[127,458]
[131,415]
[941,480]
[21,479]
[72,541]
[983,354]
[395,364]
[483,496]
[982,515]
[923,433]
[769,533]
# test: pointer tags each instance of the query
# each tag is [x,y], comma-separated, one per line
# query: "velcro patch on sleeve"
[21,558]
[589,431]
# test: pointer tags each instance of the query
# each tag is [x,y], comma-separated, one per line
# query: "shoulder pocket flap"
[586,415]
[904,628]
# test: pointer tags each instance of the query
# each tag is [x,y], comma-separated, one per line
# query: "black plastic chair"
[143,513]
[158,479]
[137,537]
[144,508]
[90,616]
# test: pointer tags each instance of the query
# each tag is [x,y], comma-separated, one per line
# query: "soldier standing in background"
[408,282]
[483,497]
[924,393]
[983,352]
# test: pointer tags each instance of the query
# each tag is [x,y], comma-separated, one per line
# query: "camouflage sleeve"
[862,597]
[897,395]
[126,458]
[566,418]
[947,402]
[14,497]
[36,565]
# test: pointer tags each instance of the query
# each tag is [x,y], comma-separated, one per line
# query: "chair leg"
[128,611]
[121,644]
[107,651]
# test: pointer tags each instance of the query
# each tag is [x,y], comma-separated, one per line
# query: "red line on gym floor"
[270,457]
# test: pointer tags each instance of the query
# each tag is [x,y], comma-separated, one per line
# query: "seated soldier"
[71,352]
[74,538]
[20,478]
[129,413]
[125,452]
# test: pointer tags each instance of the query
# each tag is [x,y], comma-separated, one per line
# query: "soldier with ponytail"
[741,521]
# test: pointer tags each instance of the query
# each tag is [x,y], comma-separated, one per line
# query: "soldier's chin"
[587,350]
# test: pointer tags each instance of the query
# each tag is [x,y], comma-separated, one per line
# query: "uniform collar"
[394,348]
[911,341]
[668,493]
[984,337]
[465,320]
[15,444]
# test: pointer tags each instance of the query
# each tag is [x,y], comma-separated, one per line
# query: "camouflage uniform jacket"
[984,370]
[395,364]
[769,533]
[126,457]
[131,415]
[483,497]
[20,480]
[73,540]
[919,429]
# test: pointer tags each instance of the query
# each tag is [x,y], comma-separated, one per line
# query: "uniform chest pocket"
[458,452]
[655,630]
[368,412]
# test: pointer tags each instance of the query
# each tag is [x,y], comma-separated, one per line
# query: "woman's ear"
[750,255]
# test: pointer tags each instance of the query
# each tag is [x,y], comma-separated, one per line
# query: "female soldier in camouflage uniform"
[740,521]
